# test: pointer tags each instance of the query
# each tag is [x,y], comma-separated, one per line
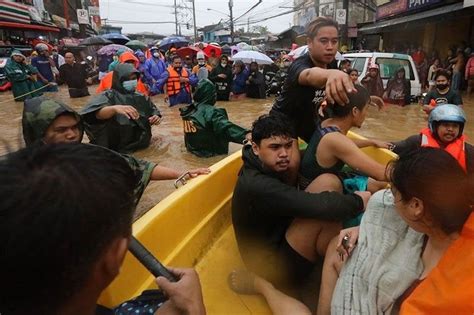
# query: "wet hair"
[61,207]
[358,99]
[174,57]
[435,177]
[344,62]
[443,73]
[267,126]
[239,63]
[315,25]
[352,70]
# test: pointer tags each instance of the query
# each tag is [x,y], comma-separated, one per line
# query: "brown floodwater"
[167,147]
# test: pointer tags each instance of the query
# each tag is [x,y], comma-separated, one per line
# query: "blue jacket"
[239,84]
[154,69]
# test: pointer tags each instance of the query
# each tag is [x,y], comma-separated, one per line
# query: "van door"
[390,65]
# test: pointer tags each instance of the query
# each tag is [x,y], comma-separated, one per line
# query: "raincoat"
[106,82]
[141,65]
[17,74]
[222,85]
[207,130]
[40,112]
[120,133]
[154,74]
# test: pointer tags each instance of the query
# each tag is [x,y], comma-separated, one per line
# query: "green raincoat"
[17,74]
[40,112]
[120,133]
[207,129]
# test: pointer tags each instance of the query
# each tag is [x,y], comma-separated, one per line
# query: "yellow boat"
[192,227]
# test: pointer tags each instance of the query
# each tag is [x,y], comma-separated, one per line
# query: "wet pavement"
[167,147]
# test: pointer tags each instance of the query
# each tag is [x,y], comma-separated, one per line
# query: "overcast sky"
[161,10]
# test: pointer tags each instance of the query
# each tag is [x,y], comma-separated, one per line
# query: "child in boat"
[276,225]
[330,149]
[207,129]
[428,220]
[445,130]
[47,121]
[66,223]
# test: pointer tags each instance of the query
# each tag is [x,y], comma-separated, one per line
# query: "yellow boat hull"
[192,227]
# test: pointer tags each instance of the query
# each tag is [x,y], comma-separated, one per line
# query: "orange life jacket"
[448,288]
[456,148]
[106,84]
[173,85]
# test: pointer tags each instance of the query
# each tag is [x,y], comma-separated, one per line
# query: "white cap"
[200,55]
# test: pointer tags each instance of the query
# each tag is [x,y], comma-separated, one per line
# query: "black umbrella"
[95,40]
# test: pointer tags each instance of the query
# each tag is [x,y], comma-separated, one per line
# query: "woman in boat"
[433,225]
[330,149]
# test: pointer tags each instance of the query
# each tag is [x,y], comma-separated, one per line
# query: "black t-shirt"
[452,97]
[75,76]
[299,102]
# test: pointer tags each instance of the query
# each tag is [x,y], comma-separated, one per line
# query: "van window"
[389,66]
[358,64]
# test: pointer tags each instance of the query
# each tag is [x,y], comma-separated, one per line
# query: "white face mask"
[223,64]
[156,55]
[201,62]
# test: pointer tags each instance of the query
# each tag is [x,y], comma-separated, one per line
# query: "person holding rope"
[22,76]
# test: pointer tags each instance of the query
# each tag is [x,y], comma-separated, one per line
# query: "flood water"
[167,147]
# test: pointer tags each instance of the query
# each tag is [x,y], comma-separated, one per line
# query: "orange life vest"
[173,86]
[448,288]
[456,148]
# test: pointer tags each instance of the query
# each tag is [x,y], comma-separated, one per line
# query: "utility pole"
[231,4]
[176,16]
[316,7]
[66,12]
[194,22]
[82,27]
[345,27]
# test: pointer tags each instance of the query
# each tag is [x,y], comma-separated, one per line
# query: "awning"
[29,26]
[445,11]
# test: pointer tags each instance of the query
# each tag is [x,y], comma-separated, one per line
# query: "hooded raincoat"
[17,73]
[40,112]
[207,129]
[155,69]
[120,133]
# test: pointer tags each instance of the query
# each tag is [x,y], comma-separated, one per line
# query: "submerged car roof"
[376,54]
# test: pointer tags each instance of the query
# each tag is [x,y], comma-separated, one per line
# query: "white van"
[389,64]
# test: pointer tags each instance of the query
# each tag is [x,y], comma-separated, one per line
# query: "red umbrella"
[210,47]
[188,51]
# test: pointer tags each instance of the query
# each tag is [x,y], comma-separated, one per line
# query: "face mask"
[115,58]
[441,86]
[130,85]
[156,55]
[201,62]
[55,53]
[223,64]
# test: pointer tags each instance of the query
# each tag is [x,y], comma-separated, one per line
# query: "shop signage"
[82,16]
[341,16]
[94,11]
[391,8]
[417,4]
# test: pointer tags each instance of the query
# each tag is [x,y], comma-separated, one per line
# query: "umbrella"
[235,48]
[112,49]
[226,50]
[248,56]
[116,38]
[248,47]
[188,51]
[95,40]
[300,51]
[177,41]
[210,47]
[136,44]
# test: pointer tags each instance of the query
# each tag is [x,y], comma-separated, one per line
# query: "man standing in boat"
[275,224]
[64,243]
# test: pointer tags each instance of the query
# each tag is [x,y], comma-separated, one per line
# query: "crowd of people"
[396,238]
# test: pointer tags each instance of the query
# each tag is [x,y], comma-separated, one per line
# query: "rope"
[34,91]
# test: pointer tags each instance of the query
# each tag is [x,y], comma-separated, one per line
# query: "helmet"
[41,47]
[200,55]
[449,113]
[154,48]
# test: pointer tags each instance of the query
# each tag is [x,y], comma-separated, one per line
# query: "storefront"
[433,25]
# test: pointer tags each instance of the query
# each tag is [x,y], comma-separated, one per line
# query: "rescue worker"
[222,78]
[22,77]
[177,86]
[120,118]
[207,130]
[126,57]
[445,130]
[155,67]
[47,121]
